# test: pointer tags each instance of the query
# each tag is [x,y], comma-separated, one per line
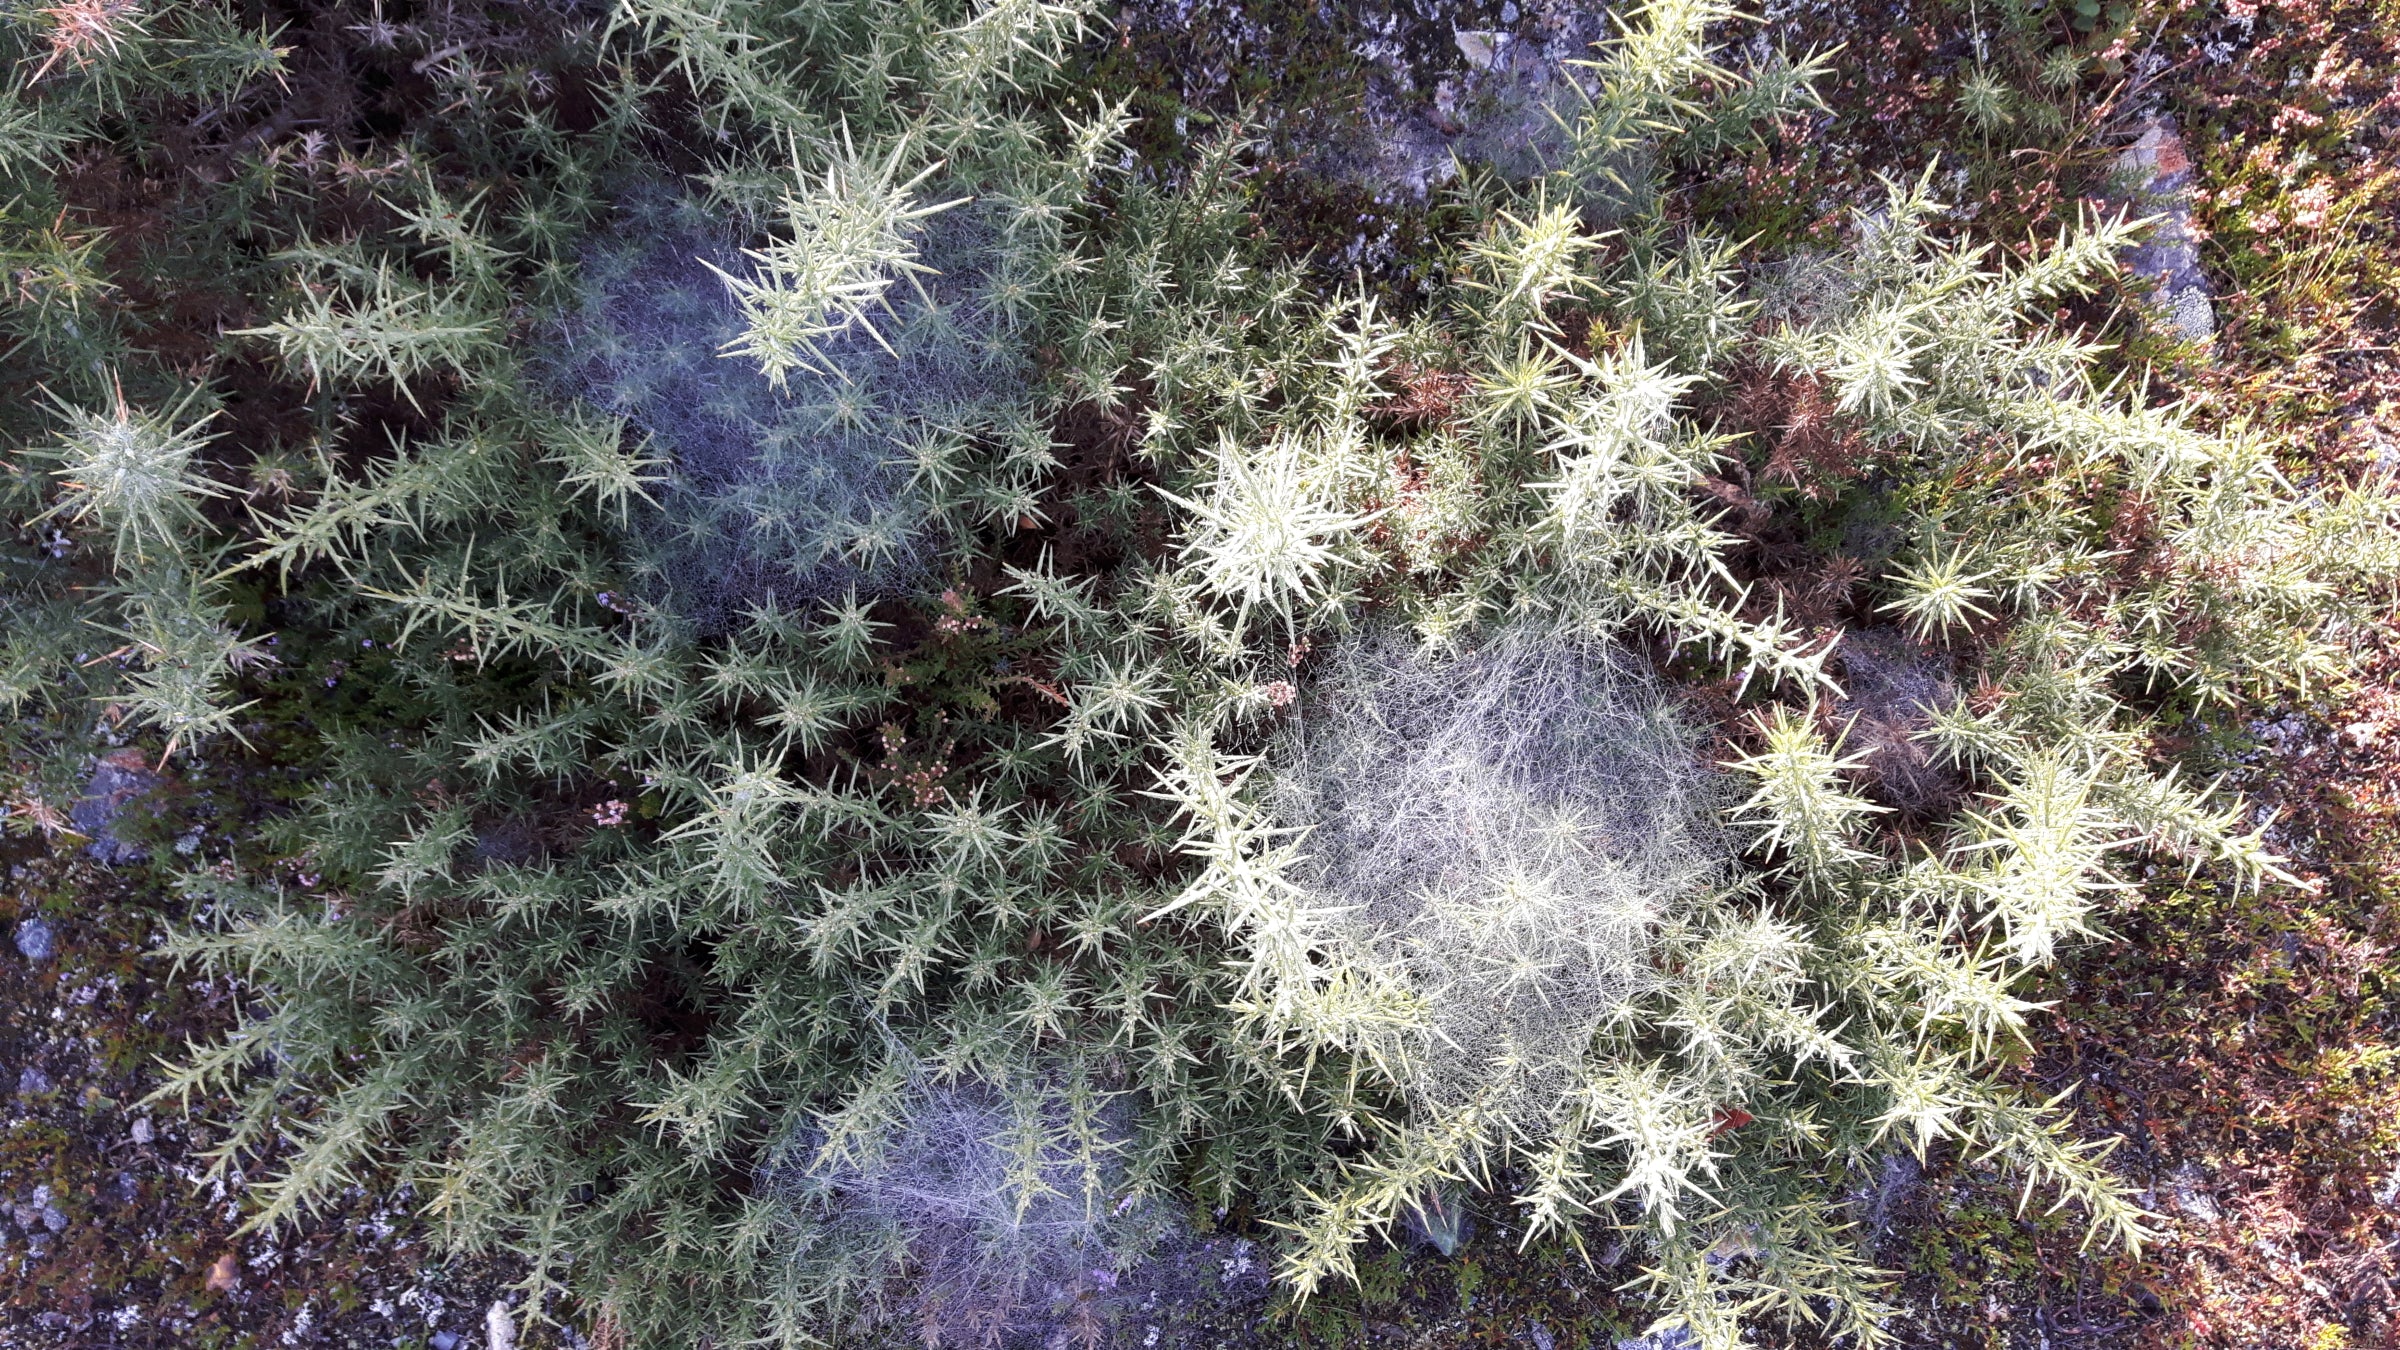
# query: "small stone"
[143,1133]
[116,781]
[499,1329]
[2188,1186]
[226,1275]
[37,940]
[1740,1245]
[445,1340]
[1481,48]
[32,1082]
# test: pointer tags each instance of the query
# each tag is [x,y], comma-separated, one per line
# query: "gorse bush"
[930,706]
[1853,993]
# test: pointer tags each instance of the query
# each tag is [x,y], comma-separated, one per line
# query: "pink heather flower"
[2311,204]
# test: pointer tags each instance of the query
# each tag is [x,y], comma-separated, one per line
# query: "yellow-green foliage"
[651,940]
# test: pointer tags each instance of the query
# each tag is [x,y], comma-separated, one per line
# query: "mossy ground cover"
[2238,1044]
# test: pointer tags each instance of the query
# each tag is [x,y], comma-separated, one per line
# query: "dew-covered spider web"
[1504,829]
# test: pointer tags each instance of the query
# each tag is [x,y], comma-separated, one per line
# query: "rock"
[225,1275]
[37,940]
[1481,47]
[445,1340]
[1540,1336]
[2187,1186]
[2154,177]
[116,780]
[1677,1337]
[39,1212]
[32,1082]
[143,1132]
[499,1329]
[1503,109]
[1742,1244]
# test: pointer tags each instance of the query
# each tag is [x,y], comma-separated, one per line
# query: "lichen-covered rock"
[1503,108]
[36,940]
[2154,176]
[1670,1338]
[116,781]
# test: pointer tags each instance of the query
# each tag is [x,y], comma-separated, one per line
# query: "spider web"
[1505,829]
